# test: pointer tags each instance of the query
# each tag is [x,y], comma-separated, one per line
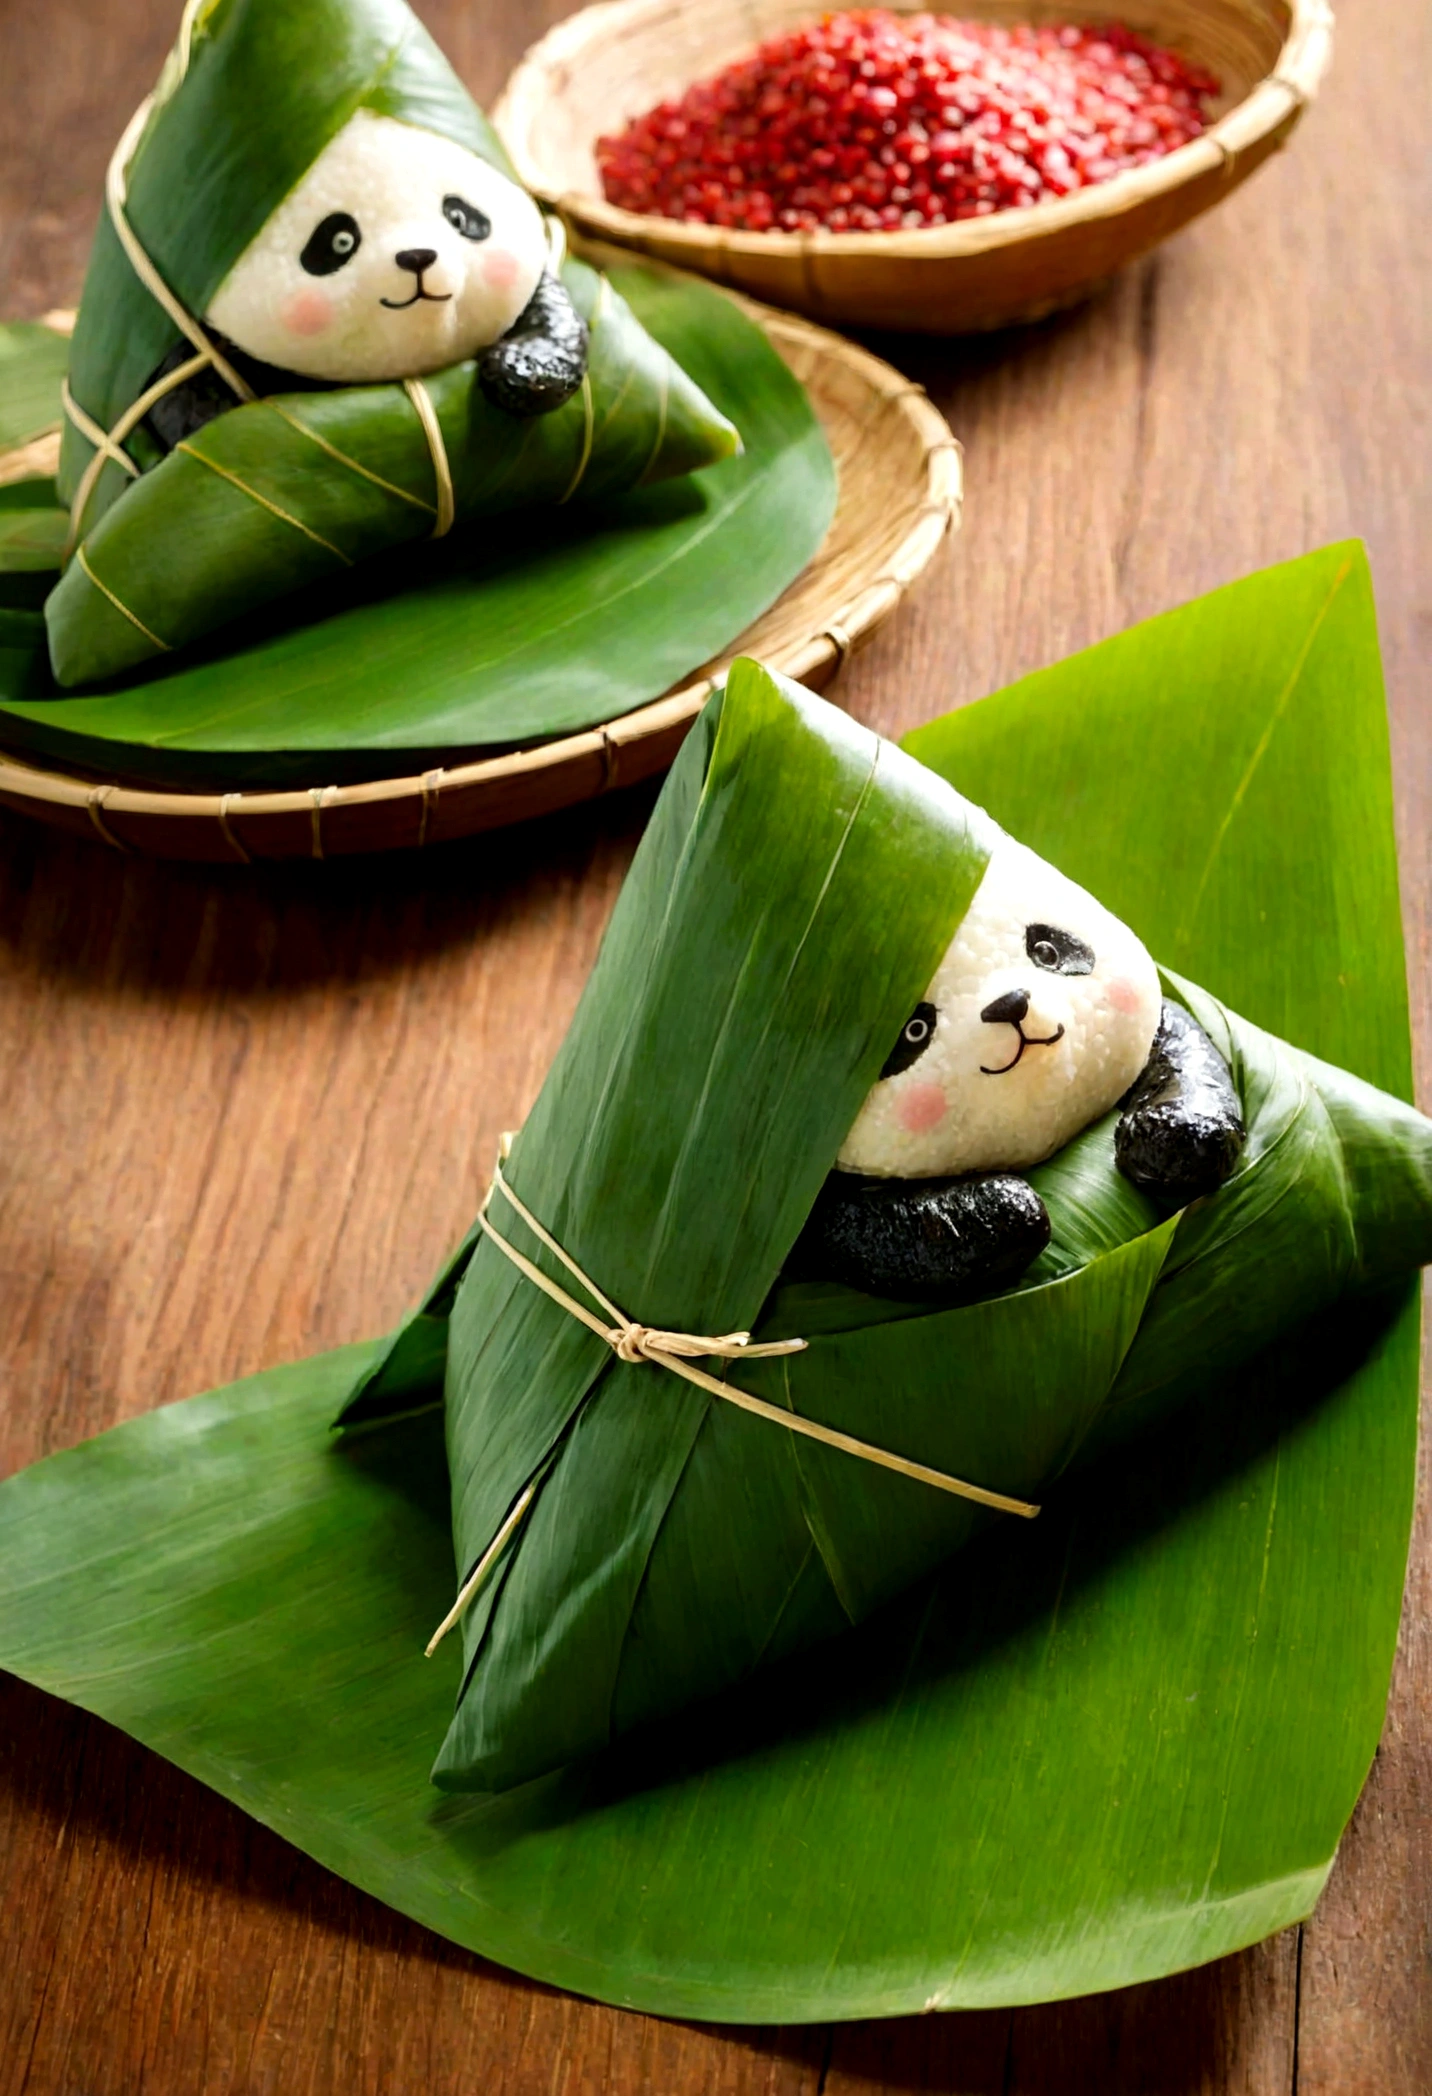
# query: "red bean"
[875,121]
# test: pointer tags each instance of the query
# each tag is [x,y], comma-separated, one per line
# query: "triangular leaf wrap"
[749,987]
[505,633]
[1095,1749]
[267,85]
[293,490]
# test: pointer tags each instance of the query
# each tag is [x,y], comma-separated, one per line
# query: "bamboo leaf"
[501,635]
[32,539]
[267,85]
[1284,645]
[736,1023]
[1091,1750]
[32,368]
[276,497]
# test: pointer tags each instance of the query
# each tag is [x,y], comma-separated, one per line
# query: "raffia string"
[427,415]
[589,409]
[154,639]
[676,1351]
[108,442]
[104,442]
[478,1576]
[116,196]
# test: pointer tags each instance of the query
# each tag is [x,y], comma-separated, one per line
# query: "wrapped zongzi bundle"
[322,319]
[880,1175]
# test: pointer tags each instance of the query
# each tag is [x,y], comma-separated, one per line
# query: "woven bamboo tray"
[900,489]
[611,62]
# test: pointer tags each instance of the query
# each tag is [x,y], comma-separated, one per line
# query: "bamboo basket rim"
[1287,91]
[815,659]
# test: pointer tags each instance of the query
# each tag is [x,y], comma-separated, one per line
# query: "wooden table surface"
[295,1077]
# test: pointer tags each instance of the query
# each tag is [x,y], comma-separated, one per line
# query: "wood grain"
[296,1076]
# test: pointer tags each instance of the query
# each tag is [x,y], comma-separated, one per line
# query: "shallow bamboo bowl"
[900,487]
[595,71]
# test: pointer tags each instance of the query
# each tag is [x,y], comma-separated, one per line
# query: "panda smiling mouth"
[1026,1040]
[1011,1010]
[417,261]
[400,305]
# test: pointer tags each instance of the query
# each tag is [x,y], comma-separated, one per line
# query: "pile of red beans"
[871,121]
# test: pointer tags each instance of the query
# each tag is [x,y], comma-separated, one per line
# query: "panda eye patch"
[915,1038]
[468,220]
[333,241]
[1058,952]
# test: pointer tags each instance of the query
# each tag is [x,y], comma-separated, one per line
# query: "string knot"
[630,1342]
[633,1342]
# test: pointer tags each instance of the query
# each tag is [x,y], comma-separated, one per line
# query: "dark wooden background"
[246,1111]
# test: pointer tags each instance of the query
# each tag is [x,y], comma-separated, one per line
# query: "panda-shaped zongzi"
[399,253]
[1045,1013]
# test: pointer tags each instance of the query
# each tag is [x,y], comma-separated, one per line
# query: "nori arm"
[942,1240]
[535,367]
[1182,1126]
[922,1240]
[542,359]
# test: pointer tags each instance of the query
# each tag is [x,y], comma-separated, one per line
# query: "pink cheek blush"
[500,268]
[921,1108]
[1123,995]
[308,312]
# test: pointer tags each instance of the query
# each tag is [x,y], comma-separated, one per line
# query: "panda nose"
[1007,1010]
[417,259]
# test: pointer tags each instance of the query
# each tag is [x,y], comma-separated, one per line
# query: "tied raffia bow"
[633,1342]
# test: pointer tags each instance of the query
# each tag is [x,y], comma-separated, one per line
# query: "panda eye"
[915,1038]
[333,241]
[469,221]
[1059,952]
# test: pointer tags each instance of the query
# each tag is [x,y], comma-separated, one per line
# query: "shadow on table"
[945,364]
[70,1782]
[72,910]
[1192,2033]
[70,1785]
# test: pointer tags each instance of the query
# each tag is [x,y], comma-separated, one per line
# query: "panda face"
[398,253]
[1041,1015]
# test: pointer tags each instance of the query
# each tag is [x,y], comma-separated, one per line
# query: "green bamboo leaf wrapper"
[1096,1748]
[268,85]
[32,539]
[32,364]
[292,490]
[752,980]
[500,634]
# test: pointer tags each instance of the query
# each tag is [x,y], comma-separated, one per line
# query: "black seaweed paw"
[199,400]
[527,376]
[1182,1129]
[1170,1151]
[930,1240]
[542,359]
